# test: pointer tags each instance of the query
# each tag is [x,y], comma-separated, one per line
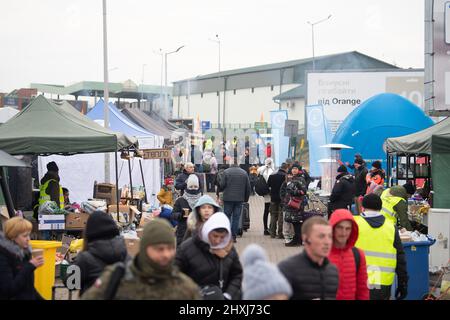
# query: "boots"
[293,243]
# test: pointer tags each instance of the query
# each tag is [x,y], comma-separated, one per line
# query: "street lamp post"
[217,40]
[166,105]
[106,89]
[312,31]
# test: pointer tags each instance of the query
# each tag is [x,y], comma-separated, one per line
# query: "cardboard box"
[76,220]
[145,218]
[126,213]
[51,222]
[132,246]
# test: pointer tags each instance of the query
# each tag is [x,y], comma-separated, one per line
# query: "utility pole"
[312,33]
[166,100]
[106,90]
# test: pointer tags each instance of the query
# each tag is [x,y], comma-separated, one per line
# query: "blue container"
[418,268]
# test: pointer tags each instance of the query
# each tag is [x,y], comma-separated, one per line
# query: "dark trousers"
[297,232]
[210,177]
[266,215]
[276,219]
[384,293]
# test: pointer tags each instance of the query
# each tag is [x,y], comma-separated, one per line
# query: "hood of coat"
[345,175]
[50,175]
[342,215]
[10,247]
[109,250]
[398,191]
[194,217]
[217,220]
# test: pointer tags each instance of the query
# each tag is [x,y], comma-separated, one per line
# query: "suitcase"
[244,219]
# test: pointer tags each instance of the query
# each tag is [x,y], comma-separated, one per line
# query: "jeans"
[233,210]
[288,230]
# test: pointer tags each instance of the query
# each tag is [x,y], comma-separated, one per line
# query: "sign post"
[153,154]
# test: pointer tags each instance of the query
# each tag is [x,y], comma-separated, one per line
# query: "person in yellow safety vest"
[209,143]
[50,189]
[395,206]
[385,256]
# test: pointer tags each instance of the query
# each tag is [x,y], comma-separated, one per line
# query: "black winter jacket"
[236,185]
[53,187]
[196,261]
[343,192]
[275,182]
[308,279]
[296,187]
[16,272]
[99,254]
[180,181]
[178,215]
[360,181]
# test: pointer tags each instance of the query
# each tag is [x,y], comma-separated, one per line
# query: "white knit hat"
[262,279]
[192,182]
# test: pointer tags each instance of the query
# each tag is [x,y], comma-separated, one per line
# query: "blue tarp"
[117,121]
[383,116]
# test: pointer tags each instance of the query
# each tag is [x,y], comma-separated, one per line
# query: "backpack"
[206,163]
[357,258]
[261,187]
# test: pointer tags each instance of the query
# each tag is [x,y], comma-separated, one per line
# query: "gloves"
[401,292]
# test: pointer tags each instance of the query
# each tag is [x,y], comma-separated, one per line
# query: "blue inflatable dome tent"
[383,116]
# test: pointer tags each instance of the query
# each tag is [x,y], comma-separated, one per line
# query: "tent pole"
[6,193]
[117,189]
[143,181]
[131,180]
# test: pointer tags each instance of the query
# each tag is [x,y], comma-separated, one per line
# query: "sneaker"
[280,236]
[266,233]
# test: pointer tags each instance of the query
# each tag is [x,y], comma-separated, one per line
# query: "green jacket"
[401,208]
[177,286]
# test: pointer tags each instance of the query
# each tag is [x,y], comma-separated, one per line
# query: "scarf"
[191,198]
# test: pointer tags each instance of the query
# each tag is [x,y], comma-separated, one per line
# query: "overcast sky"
[60,42]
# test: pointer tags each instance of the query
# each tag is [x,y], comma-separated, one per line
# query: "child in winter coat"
[203,210]
[165,195]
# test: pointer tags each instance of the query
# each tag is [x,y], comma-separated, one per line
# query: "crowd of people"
[351,256]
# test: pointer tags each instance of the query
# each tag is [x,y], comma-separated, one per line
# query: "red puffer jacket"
[352,283]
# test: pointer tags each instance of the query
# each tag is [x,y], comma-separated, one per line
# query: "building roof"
[331,62]
[296,93]
[127,89]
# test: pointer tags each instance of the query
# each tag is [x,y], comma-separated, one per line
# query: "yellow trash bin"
[44,276]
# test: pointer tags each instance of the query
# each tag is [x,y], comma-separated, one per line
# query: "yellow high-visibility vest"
[381,255]
[44,197]
[389,202]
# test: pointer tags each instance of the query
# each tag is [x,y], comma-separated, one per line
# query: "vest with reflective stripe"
[381,255]
[44,197]
[389,202]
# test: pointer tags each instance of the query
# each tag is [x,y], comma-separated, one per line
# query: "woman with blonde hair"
[16,263]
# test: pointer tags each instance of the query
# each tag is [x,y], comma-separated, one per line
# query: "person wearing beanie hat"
[375,177]
[165,195]
[210,259]
[102,246]
[184,205]
[343,191]
[294,188]
[50,188]
[151,275]
[395,206]
[379,237]
[181,179]
[262,280]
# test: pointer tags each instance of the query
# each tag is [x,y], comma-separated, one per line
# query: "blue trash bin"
[417,264]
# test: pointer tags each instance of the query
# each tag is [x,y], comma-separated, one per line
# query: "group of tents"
[55,131]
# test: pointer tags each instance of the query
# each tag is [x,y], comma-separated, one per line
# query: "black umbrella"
[6,160]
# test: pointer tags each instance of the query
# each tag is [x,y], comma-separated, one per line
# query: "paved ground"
[276,250]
